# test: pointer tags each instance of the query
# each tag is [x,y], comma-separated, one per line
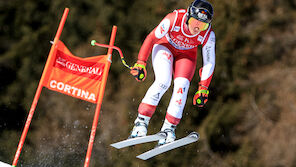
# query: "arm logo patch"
[162,28]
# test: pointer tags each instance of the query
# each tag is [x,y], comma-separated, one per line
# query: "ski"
[192,137]
[139,140]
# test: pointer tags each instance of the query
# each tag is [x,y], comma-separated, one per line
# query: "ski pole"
[94,43]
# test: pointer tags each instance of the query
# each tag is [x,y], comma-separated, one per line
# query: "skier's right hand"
[139,70]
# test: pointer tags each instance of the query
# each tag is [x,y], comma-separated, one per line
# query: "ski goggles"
[200,14]
[196,23]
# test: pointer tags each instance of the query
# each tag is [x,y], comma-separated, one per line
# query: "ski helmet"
[201,10]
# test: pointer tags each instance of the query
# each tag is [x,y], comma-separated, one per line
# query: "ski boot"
[140,127]
[169,130]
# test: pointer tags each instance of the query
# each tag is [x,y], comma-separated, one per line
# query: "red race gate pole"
[101,94]
[39,89]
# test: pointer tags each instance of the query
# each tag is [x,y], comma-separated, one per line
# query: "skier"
[174,45]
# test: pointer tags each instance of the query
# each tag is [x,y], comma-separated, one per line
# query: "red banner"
[75,76]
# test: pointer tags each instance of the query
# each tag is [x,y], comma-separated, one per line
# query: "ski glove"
[139,71]
[201,96]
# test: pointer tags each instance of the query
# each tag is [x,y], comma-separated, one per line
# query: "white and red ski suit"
[174,53]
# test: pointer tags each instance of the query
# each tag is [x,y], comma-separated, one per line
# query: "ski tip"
[115,145]
[194,135]
[141,157]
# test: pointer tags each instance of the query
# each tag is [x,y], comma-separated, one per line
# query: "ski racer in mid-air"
[173,44]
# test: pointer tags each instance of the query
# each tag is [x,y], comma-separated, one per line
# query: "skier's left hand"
[201,96]
[139,71]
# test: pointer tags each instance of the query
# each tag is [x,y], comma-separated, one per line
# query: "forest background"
[249,120]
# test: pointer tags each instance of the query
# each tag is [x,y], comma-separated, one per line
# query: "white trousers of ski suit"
[162,61]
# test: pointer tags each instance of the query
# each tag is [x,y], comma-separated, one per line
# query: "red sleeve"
[159,32]
[146,48]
